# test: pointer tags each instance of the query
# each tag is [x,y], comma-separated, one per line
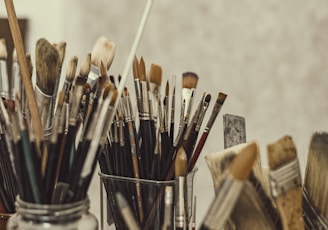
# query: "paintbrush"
[61,48]
[102,51]
[232,186]
[315,190]
[285,181]
[19,45]
[168,209]
[155,81]
[70,74]
[135,70]
[189,84]
[180,175]
[215,111]
[172,115]
[47,63]
[126,212]
[147,145]
[53,156]
[4,84]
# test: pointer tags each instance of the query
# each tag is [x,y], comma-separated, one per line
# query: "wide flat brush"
[231,189]
[315,190]
[285,180]
[47,63]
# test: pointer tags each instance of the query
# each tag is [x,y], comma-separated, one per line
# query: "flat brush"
[47,62]
[315,190]
[285,180]
[4,84]
[136,75]
[102,51]
[215,111]
[231,188]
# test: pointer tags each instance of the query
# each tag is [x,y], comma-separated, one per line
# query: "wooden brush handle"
[290,207]
[25,74]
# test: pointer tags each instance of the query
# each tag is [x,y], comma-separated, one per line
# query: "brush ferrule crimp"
[313,219]
[285,178]
[93,76]
[4,85]
[44,103]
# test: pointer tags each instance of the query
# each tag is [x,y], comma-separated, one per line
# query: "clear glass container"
[72,216]
[152,193]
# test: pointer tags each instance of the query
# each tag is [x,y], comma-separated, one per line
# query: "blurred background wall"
[270,57]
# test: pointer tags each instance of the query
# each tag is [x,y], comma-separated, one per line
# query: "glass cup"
[146,199]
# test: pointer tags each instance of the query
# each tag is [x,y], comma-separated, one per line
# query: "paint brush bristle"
[189,80]
[86,66]
[142,70]
[316,171]
[181,163]
[103,51]
[71,70]
[3,49]
[135,68]
[47,60]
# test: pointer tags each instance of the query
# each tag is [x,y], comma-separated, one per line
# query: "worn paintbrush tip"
[71,69]
[3,49]
[180,163]
[189,80]
[47,63]
[86,66]
[29,63]
[207,98]
[281,152]
[61,47]
[241,166]
[103,51]
[221,98]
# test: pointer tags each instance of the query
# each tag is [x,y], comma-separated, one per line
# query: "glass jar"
[72,216]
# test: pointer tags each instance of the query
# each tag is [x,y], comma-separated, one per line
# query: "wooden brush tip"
[3,49]
[242,164]
[29,63]
[155,74]
[221,98]
[281,152]
[86,66]
[135,68]
[181,163]
[189,80]
[103,51]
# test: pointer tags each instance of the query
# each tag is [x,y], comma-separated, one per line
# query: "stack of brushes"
[145,146]
[76,132]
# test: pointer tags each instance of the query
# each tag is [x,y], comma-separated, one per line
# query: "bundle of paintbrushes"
[142,144]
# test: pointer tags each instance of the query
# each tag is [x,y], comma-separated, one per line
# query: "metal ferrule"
[137,91]
[172,109]
[180,216]
[166,115]
[4,85]
[67,112]
[160,119]
[75,105]
[67,86]
[16,80]
[285,178]
[121,133]
[144,97]
[187,96]
[44,103]
[201,115]
[313,219]
[179,135]
[127,109]
[224,203]
[216,109]
[93,76]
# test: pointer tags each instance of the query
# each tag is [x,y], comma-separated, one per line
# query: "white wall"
[270,57]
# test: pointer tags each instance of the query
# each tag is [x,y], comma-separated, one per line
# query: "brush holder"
[152,199]
[72,216]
